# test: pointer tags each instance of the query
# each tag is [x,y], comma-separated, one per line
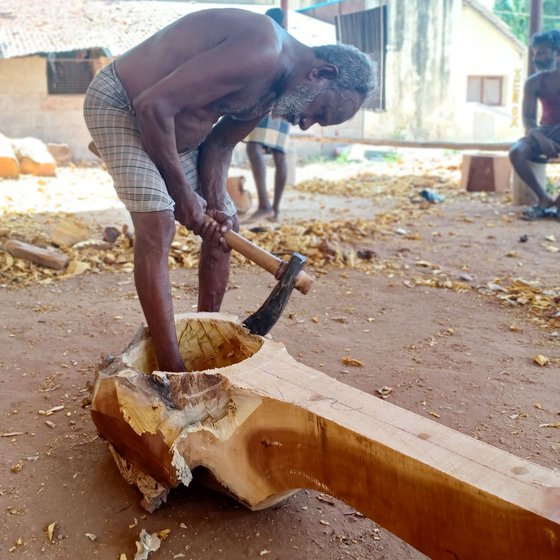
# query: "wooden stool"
[487,172]
[241,198]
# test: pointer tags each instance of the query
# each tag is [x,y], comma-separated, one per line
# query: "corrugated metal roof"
[44,26]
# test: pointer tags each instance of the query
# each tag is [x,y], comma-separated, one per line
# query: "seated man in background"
[270,136]
[542,141]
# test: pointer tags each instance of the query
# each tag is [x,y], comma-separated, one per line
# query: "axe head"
[262,321]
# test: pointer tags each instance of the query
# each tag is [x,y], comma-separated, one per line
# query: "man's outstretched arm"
[215,158]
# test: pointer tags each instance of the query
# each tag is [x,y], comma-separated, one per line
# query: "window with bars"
[367,30]
[69,72]
[487,90]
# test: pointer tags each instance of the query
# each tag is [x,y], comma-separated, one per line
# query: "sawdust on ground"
[452,308]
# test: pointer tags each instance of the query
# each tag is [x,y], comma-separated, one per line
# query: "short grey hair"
[356,71]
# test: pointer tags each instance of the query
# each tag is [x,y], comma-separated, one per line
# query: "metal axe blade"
[262,321]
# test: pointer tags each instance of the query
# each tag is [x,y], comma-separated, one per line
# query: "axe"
[289,274]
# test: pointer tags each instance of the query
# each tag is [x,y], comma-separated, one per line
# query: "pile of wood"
[30,155]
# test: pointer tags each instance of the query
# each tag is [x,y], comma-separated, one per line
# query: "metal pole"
[535,25]
[284,6]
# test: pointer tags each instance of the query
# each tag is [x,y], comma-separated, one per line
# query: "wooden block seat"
[485,172]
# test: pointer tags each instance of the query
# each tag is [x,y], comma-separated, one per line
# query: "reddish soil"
[463,358]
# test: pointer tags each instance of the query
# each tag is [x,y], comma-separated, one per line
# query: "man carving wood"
[166,115]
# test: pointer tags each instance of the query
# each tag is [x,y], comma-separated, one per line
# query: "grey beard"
[290,105]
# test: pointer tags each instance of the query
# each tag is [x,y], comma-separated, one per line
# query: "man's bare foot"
[259,215]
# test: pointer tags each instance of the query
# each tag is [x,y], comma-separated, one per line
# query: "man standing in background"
[269,137]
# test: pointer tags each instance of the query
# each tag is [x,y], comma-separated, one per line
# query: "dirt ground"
[450,308]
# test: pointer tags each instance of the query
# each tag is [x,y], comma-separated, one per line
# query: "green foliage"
[392,157]
[516,13]
[343,157]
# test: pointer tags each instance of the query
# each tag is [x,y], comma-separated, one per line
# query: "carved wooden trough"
[265,425]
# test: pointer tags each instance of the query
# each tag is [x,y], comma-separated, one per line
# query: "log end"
[144,413]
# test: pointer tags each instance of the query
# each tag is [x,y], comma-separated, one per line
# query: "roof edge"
[497,22]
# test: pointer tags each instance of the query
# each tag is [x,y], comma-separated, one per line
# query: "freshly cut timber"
[49,257]
[9,164]
[34,157]
[265,425]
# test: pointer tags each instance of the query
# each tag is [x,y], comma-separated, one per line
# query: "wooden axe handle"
[264,259]
[253,252]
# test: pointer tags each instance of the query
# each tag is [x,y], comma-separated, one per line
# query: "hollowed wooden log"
[265,425]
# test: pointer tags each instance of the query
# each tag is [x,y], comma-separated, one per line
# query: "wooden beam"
[460,146]
[265,425]
[49,257]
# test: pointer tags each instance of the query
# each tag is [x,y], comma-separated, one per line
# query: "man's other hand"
[549,148]
[192,215]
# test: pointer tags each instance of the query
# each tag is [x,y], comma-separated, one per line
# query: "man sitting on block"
[166,115]
[542,142]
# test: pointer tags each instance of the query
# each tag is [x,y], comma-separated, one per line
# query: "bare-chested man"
[166,115]
[541,142]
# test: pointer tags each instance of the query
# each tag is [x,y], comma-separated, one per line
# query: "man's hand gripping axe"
[289,274]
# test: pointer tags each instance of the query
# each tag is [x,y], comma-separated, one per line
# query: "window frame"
[74,83]
[352,29]
[480,99]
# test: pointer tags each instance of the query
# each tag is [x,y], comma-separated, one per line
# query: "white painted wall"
[482,50]
[26,108]
[432,48]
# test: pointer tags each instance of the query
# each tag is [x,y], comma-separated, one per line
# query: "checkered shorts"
[271,133]
[551,132]
[112,123]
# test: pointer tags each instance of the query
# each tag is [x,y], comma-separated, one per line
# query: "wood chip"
[51,410]
[50,530]
[325,499]
[348,361]
[541,360]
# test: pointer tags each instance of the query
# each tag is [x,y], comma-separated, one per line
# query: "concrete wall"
[482,50]
[418,70]
[27,109]
[431,49]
